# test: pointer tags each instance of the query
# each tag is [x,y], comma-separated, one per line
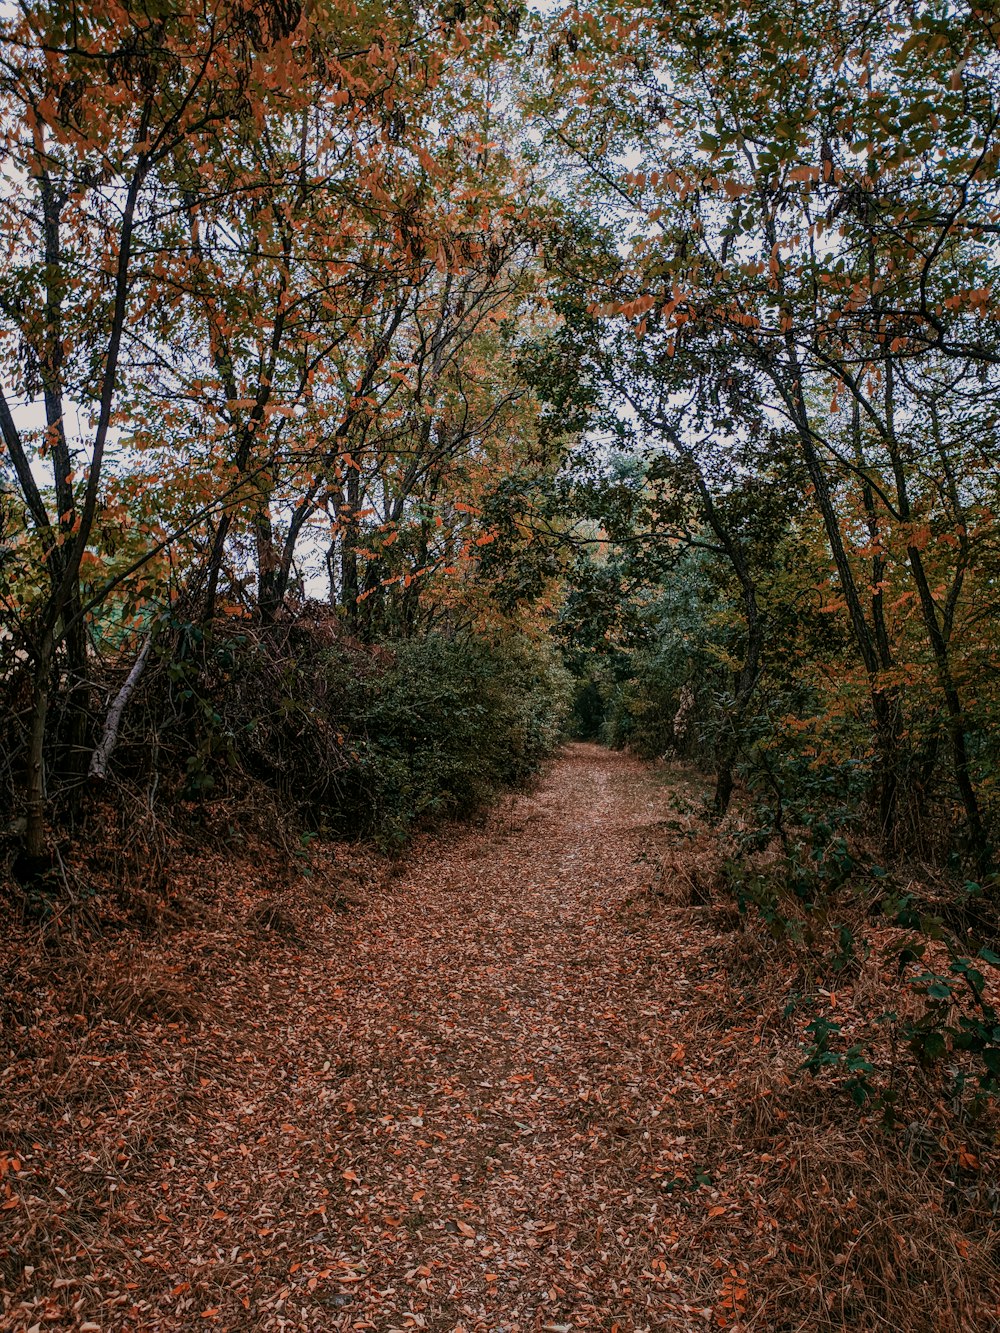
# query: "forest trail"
[526,1077]
[471,1102]
[513,1051]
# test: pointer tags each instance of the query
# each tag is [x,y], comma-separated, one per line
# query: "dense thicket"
[329,735]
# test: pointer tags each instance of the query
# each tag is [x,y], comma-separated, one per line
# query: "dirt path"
[511,1053]
[521,1084]
[443,1109]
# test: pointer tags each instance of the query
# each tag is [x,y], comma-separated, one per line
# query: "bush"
[450,723]
[358,740]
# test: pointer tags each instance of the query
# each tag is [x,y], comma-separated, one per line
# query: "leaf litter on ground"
[523,1084]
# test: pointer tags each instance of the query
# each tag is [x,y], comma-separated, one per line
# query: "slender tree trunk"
[109,737]
[978,838]
[77,698]
[884,714]
[874,537]
[303,511]
[34,839]
[51,356]
[749,673]
[267,564]
[65,593]
[331,570]
[411,595]
[349,588]
[215,565]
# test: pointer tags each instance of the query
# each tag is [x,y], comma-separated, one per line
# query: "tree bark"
[349,588]
[978,838]
[34,838]
[109,737]
[885,717]
[749,673]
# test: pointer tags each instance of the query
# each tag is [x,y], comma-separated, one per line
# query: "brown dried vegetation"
[537,1075]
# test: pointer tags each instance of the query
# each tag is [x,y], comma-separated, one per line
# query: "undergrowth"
[859,1004]
[287,731]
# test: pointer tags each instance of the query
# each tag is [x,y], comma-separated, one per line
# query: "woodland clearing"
[530,1076]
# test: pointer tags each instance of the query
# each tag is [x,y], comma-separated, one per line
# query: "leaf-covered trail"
[536,1078]
[511,1039]
[482,1100]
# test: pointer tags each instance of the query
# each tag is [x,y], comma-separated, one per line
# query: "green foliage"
[362,742]
[943,1027]
[802,899]
[821,1053]
[448,725]
[649,656]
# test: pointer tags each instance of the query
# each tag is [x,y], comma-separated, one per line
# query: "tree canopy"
[464,317]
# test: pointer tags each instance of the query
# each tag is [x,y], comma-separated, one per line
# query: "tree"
[781,195]
[216,222]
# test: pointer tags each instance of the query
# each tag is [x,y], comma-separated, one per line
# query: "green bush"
[451,722]
[361,741]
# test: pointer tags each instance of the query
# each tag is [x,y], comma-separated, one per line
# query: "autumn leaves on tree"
[335,303]
[391,393]
[272,263]
[810,208]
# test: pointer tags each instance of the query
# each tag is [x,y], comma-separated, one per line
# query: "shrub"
[363,741]
[447,725]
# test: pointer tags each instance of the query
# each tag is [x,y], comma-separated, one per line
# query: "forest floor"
[527,1077]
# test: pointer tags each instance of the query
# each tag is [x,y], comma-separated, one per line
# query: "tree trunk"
[109,738]
[34,838]
[267,564]
[978,838]
[749,673]
[349,588]
[885,717]
[77,698]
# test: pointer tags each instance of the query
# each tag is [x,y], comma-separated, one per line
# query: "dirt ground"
[532,1076]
